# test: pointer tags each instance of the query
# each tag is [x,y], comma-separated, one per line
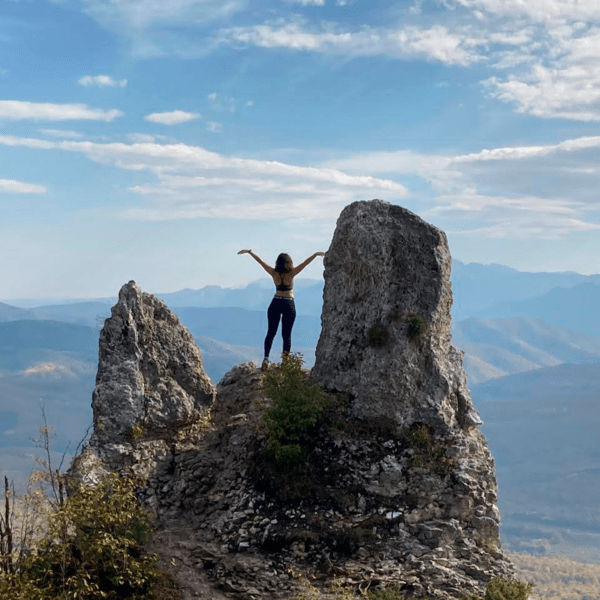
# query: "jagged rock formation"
[401,487]
[150,385]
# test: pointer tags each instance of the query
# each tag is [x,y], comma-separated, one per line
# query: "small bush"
[416,326]
[92,551]
[507,589]
[290,423]
[504,589]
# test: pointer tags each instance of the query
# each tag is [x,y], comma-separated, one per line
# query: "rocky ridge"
[399,496]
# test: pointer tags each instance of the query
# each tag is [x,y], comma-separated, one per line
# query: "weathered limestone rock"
[150,382]
[400,489]
[387,275]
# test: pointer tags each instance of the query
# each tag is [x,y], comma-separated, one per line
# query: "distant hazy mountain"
[498,347]
[230,336]
[255,296]
[575,308]
[479,291]
[12,313]
[81,313]
[244,327]
[542,384]
[50,335]
[477,287]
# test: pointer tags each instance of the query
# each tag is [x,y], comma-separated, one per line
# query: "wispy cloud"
[163,27]
[174,117]
[101,81]
[9,186]
[538,10]
[62,133]
[141,14]
[435,43]
[471,194]
[523,152]
[141,138]
[16,110]
[214,127]
[567,88]
[308,2]
[221,102]
[523,217]
[194,182]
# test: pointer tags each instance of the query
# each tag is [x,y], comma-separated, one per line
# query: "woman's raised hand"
[244,251]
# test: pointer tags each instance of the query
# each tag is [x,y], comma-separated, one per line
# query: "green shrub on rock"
[298,404]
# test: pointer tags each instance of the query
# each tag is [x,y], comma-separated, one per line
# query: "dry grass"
[558,578]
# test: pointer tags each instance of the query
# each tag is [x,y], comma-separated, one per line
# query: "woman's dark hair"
[284,264]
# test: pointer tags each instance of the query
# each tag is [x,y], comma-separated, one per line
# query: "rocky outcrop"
[386,324]
[400,489]
[150,385]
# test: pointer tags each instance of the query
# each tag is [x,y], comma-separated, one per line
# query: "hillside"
[504,346]
[477,287]
[575,308]
[542,428]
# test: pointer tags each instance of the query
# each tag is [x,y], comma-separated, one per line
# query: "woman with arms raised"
[282,306]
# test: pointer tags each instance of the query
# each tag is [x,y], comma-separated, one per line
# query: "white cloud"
[101,81]
[538,10]
[193,182]
[62,133]
[9,186]
[16,110]
[520,152]
[570,93]
[214,126]
[435,43]
[543,191]
[174,117]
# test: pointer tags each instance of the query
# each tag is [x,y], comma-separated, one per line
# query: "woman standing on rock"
[282,304]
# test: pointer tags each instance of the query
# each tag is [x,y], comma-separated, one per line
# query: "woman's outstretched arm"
[270,270]
[306,262]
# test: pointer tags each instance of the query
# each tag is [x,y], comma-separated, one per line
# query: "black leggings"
[280,307]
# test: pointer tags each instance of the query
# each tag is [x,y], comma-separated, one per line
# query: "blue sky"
[153,139]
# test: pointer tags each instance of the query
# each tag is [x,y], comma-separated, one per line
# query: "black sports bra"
[282,287]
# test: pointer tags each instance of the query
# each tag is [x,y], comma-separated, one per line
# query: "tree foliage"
[92,549]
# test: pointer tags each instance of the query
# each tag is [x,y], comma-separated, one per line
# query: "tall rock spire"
[386,325]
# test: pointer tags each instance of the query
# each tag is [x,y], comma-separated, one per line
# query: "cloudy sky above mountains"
[152,139]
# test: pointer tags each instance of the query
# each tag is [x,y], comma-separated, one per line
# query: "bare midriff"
[283,293]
